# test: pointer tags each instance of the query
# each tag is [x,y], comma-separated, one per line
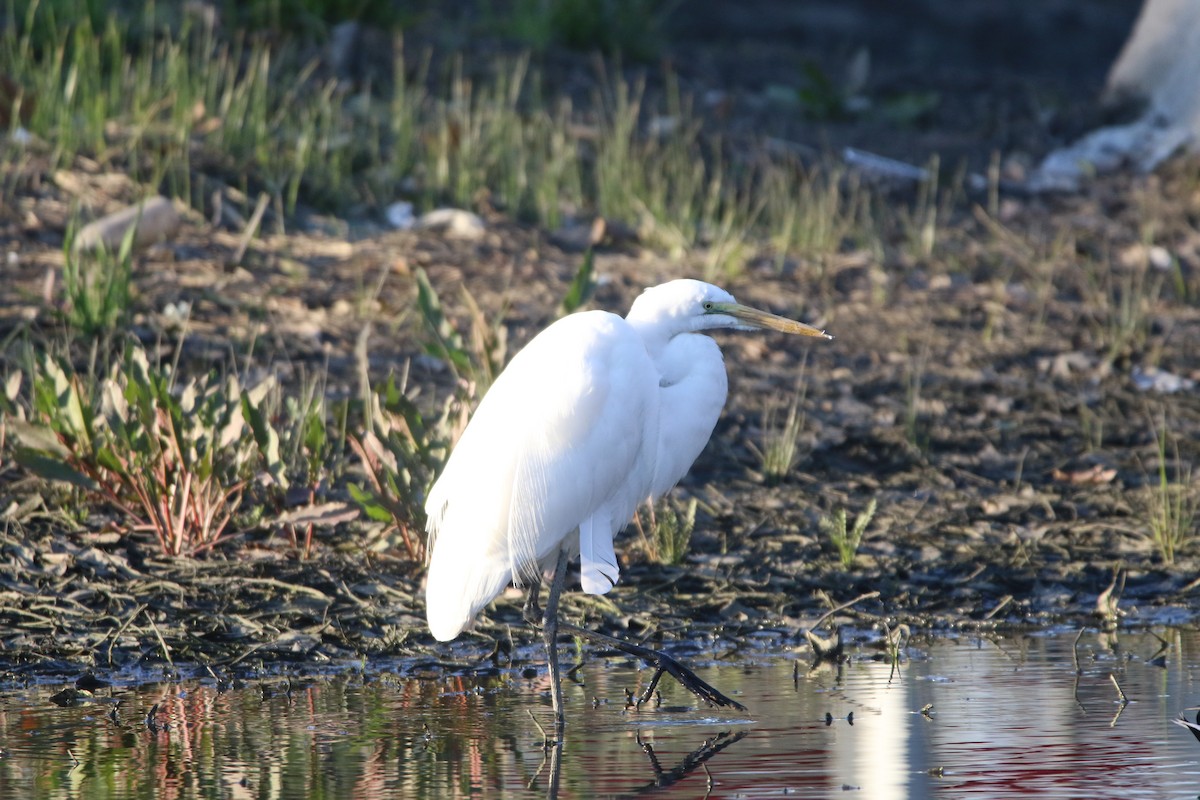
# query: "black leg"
[550,637]
[662,663]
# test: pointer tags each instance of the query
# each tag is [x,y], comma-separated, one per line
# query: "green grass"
[780,437]
[1172,508]
[916,427]
[177,104]
[97,286]
[671,526]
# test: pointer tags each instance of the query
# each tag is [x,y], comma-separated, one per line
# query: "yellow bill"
[754,318]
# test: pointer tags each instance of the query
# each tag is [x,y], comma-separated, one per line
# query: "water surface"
[1001,717]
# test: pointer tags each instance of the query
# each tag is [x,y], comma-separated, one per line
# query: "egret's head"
[690,305]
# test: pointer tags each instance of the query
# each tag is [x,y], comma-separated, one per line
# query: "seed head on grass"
[846,539]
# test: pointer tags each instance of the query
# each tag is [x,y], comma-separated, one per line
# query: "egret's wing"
[565,434]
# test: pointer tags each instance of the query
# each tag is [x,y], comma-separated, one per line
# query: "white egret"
[592,417]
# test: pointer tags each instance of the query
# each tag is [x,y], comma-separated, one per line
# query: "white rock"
[454,223]
[1160,257]
[400,215]
[156,220]
[1153,379]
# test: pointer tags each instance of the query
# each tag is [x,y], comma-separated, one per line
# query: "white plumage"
[592,417]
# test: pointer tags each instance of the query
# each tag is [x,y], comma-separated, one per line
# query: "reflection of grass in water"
[455,728]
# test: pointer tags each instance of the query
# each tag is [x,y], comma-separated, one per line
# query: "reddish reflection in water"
[1004,718]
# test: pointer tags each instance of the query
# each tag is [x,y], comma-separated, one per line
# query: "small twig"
[1120,694]
[1120,710]
[1075,651]
[893,640]
[842,607]
[1075,694]
[113,641]
[547,742]
[662,664]
[1003,602]
[162,642]
[251,228]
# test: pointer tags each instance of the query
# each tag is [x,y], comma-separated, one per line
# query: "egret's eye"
[708,306]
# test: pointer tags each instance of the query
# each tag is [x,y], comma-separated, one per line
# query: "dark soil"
[980,395]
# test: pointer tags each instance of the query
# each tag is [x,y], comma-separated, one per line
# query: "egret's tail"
[458,587]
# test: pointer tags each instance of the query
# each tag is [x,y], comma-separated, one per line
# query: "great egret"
[592,417]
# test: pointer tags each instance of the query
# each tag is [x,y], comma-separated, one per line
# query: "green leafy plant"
[847,539]
[821,96]
[402,450]
[403,454]
[172,458]
[312,438]
[582,285]
[476,360]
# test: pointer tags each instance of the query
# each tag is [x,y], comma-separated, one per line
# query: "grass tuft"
[671,526]
[1173,506]
[781,434]
[847,539]
[97,285]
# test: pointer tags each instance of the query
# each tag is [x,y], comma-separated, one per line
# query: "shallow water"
[1009,718]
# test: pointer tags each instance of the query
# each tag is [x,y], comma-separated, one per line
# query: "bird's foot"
[663,664]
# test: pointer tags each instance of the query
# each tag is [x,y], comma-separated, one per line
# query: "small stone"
[156,220]
[400,215]
[1160,257]
[454,223]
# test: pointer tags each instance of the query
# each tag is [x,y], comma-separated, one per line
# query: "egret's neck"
[655,335]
